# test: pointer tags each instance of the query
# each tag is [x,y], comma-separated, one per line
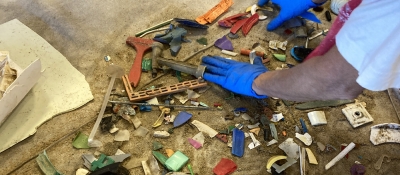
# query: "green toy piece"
[176,161]
[101,162]
[280,57]
[160,157]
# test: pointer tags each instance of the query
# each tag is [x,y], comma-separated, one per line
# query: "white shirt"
[370,41]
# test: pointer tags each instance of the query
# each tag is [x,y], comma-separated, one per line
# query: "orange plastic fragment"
[217,10]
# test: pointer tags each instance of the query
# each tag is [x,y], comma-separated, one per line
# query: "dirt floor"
[86,31]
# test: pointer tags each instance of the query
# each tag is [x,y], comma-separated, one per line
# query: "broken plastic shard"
[311,157]
[253,10]
[253,126]
[195,143]
[233,36]
[290,148]
[204,128]
[119,158]
[239,126]
[224,167]
[357,115]
[88,159]
[321,146]
[255,131]
[192,94]
[224,43]
[213,13]
[160,157]
[140,132]
[136,122]
[280,57]
[385,133]
[191,23]
[101,162]
[119,152]
[113,130]
[378,164]
[277,117]
[157,146]
[340,155]
[249,23]
[317,118]
[281,168]
[222,137]
[274,132]
[302,161]
[229,53]
[81,171]
[275,44]
[182,118]
[199,137]
[45,165]
[273,141]
[122,135]
[255,142]
[303,126]
[357,169]
[238,142]
[246,116]
[176,161]
[318,104]
[80,141]
[273,159]
[306,138]
[153,101]
[161,134]
[160,119]
[202,41]
[169,152]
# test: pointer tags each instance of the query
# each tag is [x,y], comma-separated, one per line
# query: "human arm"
[324,77]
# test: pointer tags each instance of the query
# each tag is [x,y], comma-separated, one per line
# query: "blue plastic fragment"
[224,43]
[190,23]
[241,109]
[274,132]
[303,125]
[238,142]
[174,37]
[144,108]
[182,118]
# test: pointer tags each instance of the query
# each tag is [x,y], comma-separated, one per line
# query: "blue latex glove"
[235,76]
[289,10]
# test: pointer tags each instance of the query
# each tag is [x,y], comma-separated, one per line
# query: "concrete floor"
[85,31]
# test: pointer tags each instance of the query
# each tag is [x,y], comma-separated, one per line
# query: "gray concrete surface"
[86,31]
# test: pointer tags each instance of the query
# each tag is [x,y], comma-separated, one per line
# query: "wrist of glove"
[235,76]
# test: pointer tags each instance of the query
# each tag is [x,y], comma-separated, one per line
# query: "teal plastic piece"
[176,161]
[160,157]
[157,146]
[45,165]
[101,162]
[146,64]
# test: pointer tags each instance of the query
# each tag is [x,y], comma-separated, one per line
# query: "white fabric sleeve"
[370,41]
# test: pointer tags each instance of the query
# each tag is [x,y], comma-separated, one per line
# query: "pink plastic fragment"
[195,143]
[224,167]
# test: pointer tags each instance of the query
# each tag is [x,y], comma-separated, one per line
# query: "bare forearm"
[321,78]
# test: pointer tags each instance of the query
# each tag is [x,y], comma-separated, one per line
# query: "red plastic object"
[229,21]
[216,104]
[238,25]
[288,31]
[222,137]
[224,167]
[141,46]
[249,24]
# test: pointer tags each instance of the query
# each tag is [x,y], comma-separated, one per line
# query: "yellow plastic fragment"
[161,117]
[311,157]
[273,159]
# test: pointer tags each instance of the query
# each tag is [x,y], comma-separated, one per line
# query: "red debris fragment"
[238,25]
[229,21]
[222,137]
[216,104]
[249,24]
[288,31]
[224,167]
[342,147]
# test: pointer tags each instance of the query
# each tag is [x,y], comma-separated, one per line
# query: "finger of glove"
[262,2]
[215,61]
[257,61]
[276,22]
[218,79]
[215,70]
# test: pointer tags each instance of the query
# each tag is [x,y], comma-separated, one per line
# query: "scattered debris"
[357,169]
[237,26]
[119,158]
[303,125]
[317,118]
[280,57]
[160,118]
[233,36]
[161,134]
[190,23]
[273,141]
[176,161]
[45,165]
[224,43]
[122,135]
[255,143]
[88,159]
[224,167]
[246,116]
[239,126]
[174,37]
[101,162]
[319,104]
[222,137]
[277,117]
[231,20]
[311,157]
[238,142]
[273,159]
[290,148]
[385,133]
[306,138]
[275,44]
[318,34]
[182,118]
[253,10]
[81,141]
[340,155]
[199,137]
[204,128]
[378,163]
[357,115]
[136,122]
[140,132]
[107,58]
[113,129]
[213,13]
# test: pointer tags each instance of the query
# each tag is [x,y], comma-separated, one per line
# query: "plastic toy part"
[176,161]
[357,115]
[238,142]
[273,159]
[224,167]
[249,24]
[213,13]
[317,118]
[280,57]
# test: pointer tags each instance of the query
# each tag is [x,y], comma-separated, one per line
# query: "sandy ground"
[86,31]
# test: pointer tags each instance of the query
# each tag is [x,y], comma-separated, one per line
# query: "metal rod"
[147,104]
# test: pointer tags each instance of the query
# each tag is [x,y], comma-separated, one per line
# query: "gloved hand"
[233,75]
[290,9]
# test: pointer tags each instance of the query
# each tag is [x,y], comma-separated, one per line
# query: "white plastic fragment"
[192,94]
[253,11]
[302,160]
[81,171]
[146,168]
[357,115]
[246,116]
[140,132]
[321,146]
[275,44]
[205,128]
[227,52]
[194,103]
[281,168]
[311,157]
[305,138]
[318,34]
[122,135]
[385,133]
[113,130]
[378,164]
[136,122]
[317,118]
[153,101]
[340,155]
[199,137]
[255,143]
[246,134]
[119,152]
[290,148]
[239,126]
[161,134]
[253,126]
[273,141]
[277,117]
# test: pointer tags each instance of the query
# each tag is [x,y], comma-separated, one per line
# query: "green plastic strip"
[45,164]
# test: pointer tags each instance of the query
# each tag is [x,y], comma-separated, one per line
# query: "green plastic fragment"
[176,161]
[81,141]
[202,41]
[190,169]
[157,146]
[225,131]
[178,75]
[230,128]
[146,64]
[101,162]
[319,104]
[280,57]
[160,157]
[45,164]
